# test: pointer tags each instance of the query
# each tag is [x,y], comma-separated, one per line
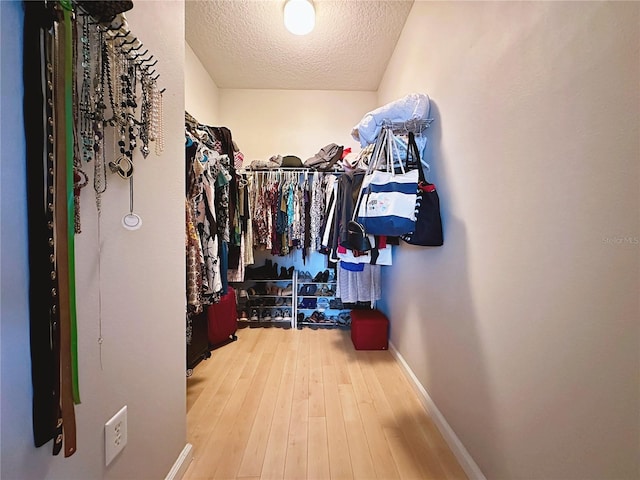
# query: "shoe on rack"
[325,276]
[277,315]
[283,274]
[300,317]
[286,315]
[243,316]
[304,276]
[336,304]
[286,291]
[318,277]
[259,273]
[322,303]
[266,315]
[308,303]
[344,318]
[254,316]
[290,273]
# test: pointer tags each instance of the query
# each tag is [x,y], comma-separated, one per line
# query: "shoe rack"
[290,298]
[316,302]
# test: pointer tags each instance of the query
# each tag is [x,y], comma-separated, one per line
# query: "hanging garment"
[317,210]
[364,286]
[194,260]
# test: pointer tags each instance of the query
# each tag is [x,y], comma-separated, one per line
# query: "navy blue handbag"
[428,229]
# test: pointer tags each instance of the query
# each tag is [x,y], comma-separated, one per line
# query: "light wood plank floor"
[302,404]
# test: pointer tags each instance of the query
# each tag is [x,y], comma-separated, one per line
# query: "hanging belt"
[62,242]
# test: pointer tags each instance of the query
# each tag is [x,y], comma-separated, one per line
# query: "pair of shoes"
[268,270]
[336,304]
[308,289]
[322,303]
[317,317]
[304,276]
[257,289]
[286,273]
[322,277]
[307,303]
[271,290]
[344,318]
[325,291]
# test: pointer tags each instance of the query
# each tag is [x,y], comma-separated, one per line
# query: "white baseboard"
[182,463]
[466,462]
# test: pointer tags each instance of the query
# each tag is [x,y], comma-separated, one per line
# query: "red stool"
[369,330]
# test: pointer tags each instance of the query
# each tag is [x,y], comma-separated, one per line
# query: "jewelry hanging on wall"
[86,100]
[131,221]
[100,165]
[145,114]
[82,126]
[123,116]
[156,133]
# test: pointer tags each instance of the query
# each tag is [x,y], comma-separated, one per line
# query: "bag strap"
[373,163]
[412,149]
[391,158]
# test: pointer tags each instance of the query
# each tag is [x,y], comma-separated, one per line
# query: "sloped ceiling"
[244,44]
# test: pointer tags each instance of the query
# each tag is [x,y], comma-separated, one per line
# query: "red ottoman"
[369,330]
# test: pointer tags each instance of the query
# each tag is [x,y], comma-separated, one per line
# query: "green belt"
[62,236]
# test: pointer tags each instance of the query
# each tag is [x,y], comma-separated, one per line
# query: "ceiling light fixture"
[299,16]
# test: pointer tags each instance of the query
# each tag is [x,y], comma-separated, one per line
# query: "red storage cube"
[369,330]
[223,320]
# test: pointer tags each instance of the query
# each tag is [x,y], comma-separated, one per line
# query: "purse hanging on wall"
[357,239]
[390,200]
[428,231]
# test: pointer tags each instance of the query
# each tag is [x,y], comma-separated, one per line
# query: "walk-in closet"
[319,239]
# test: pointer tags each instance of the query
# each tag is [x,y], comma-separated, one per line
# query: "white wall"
[142,364]
[524,327]
[292,122]
[201,92]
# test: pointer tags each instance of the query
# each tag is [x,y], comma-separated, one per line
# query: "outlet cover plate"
[115,435]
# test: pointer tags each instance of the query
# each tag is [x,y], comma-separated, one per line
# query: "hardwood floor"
[302,404]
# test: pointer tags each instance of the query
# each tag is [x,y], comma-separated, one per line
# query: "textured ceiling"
[244,44]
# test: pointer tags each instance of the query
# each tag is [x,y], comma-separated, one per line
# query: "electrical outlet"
[115,435]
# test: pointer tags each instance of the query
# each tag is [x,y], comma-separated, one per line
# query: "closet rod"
[290,170]
[414,126]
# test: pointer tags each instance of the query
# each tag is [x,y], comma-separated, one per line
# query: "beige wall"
[200,91]
[524,327]
[142,361]
[292,122]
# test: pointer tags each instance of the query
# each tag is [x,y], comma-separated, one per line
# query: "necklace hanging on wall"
[131,221]
[100,165]
[123,165]
[86,94]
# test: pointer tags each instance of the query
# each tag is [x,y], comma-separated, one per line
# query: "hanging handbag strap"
[412,150]
[373,164]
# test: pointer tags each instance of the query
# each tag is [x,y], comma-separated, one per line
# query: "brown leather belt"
[62,244]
